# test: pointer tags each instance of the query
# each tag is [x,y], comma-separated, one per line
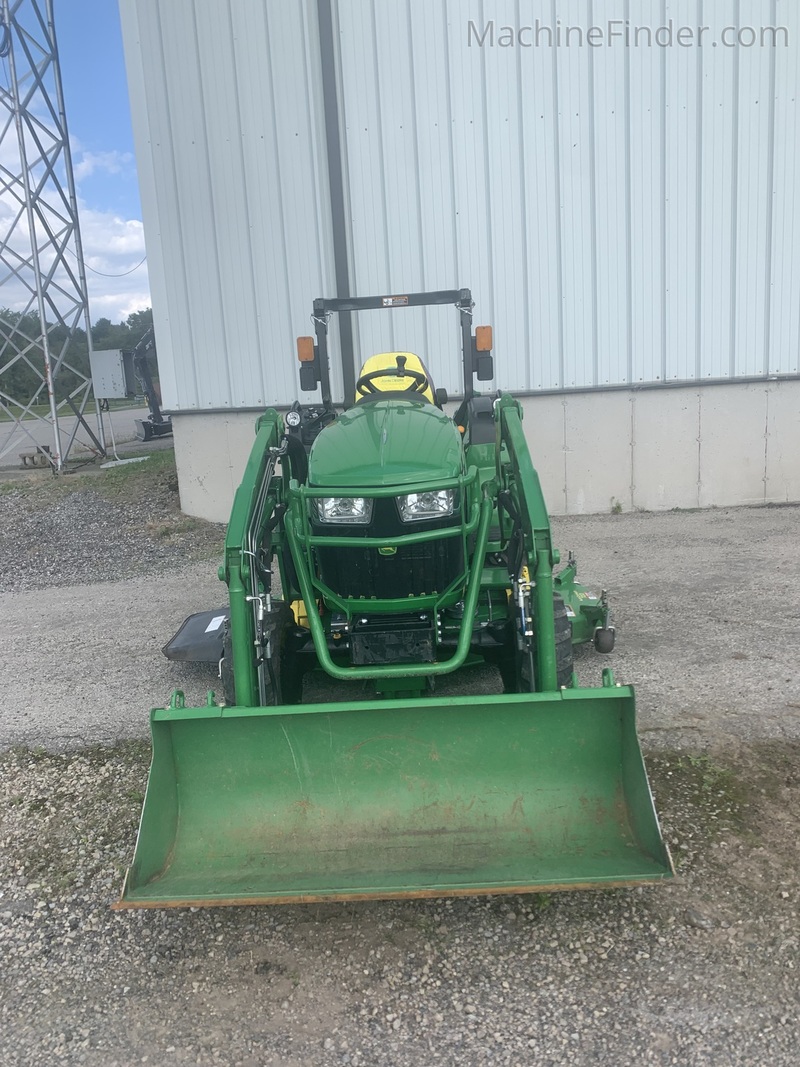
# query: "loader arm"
[255,502]
[520,481]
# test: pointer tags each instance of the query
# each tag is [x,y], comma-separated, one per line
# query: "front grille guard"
[475,519]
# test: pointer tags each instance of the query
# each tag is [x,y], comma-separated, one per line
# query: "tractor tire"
[604,639]
[226,667]
[564,660]
[525,682]
[284,681]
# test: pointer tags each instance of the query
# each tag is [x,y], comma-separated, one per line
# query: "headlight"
[419,506]
[353,509]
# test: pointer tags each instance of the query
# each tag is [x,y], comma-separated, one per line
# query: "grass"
[112,482]
[163,529]
[43,410]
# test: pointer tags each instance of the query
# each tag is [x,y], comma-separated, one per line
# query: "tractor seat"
[396,382]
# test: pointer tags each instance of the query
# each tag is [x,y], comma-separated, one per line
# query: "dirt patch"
[730,816]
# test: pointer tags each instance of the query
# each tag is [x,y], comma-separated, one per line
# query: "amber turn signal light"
[483,338]
[305,349]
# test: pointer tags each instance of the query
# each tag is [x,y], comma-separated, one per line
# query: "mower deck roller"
[424,797]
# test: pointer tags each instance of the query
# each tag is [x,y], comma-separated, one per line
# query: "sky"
[99,124]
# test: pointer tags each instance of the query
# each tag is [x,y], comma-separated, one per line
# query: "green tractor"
[409,544]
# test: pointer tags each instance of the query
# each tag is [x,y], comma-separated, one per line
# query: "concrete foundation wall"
[650,449]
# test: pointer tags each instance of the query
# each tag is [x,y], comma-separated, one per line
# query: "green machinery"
[409,544]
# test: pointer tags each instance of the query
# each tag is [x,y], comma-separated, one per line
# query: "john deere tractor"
[407,545]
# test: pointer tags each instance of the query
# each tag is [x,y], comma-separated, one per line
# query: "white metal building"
[625,211]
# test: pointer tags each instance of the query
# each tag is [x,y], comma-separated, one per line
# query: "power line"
[124,275]
[104,275]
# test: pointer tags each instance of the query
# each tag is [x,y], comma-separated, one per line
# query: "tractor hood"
[387,442]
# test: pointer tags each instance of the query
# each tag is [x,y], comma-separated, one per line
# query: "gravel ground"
[701,972]
[98,527]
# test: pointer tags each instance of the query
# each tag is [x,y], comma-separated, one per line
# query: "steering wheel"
[419,381]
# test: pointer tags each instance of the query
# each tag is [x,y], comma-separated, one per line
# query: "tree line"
[20,381]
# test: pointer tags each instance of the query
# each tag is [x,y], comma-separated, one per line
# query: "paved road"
[15,439]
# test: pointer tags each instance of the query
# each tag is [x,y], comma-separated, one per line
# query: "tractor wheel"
[564,664]
[226,667]
[284,683]
[604,639]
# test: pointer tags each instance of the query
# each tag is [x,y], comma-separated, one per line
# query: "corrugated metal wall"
[227,110]
[622,215]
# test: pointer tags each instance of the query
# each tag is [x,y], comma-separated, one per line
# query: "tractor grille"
[412,570]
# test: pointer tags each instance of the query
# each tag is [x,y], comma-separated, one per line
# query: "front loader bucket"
[425,797]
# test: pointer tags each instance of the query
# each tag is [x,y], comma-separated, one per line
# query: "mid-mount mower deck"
[409,544]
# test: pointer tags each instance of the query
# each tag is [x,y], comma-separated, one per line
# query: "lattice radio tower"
[42,277]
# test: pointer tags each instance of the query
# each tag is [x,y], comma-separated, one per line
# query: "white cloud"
[113,245]
[117,306]
[107,236]
[89,163]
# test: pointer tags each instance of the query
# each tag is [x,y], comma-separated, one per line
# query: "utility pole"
[42,275]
